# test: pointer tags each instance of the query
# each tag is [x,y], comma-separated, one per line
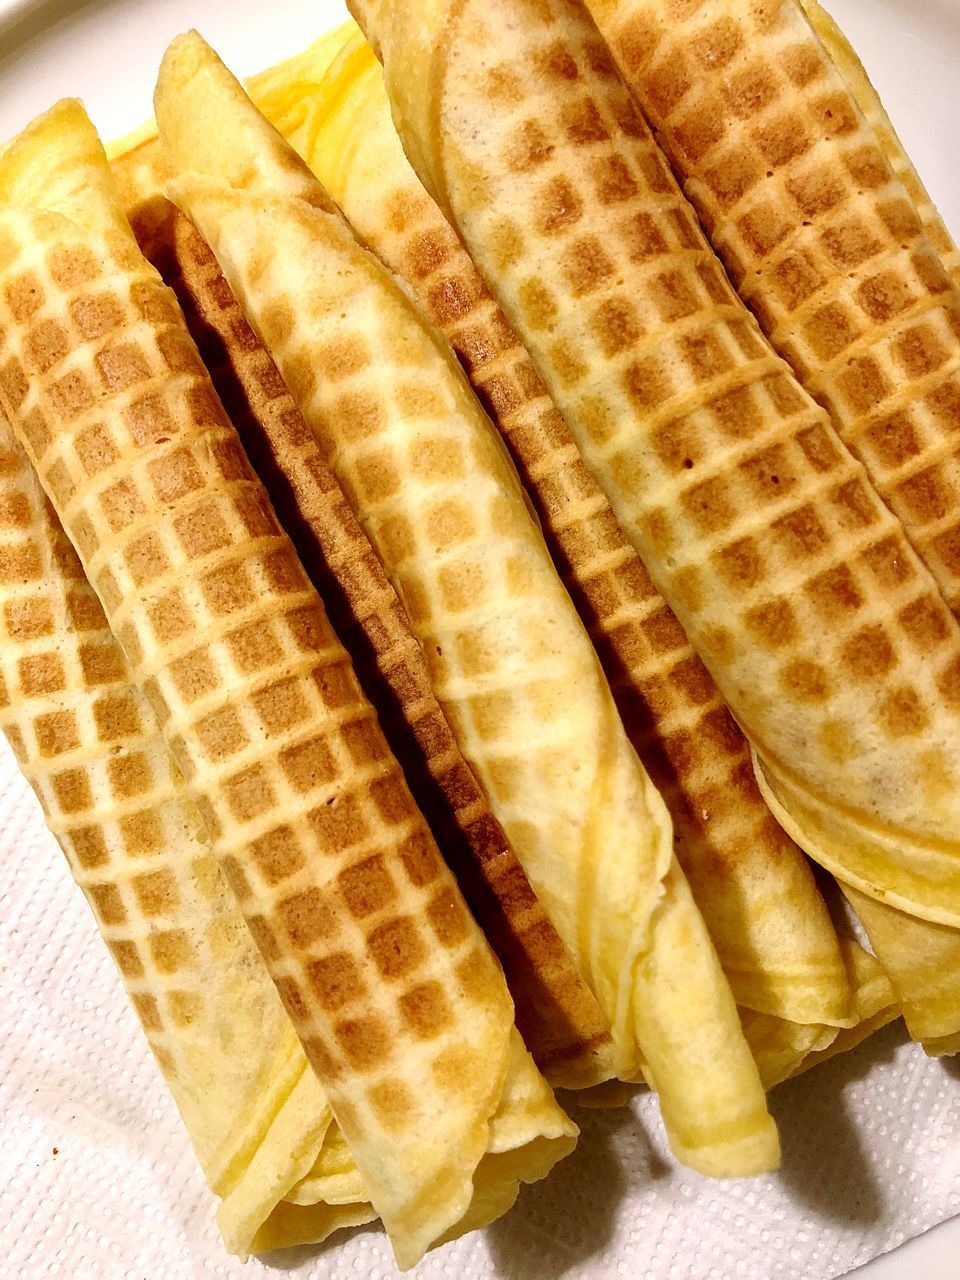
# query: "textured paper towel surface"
[97,1178]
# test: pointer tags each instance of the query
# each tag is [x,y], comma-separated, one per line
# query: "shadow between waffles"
[555,1226]
[824,1165]
[558,1224]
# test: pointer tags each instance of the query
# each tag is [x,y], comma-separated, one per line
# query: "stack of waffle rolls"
[753,886]
[395,996]
[231,803]
[508,658]
[556,1014]
[804,594]
[296,95]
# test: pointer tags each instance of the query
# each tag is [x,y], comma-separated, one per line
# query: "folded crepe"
[922,960]
[88,742]
[775,939]
[826,635]
[508,658]
[556,1014]
[845,60]
[400,1006]
[819,234]
[786,1049]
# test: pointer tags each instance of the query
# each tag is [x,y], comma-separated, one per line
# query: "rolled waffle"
[401,1008]
[774,937]
[845,60]
[798,587]
[818,233]
[555,1012]
[508,658]
[88,742]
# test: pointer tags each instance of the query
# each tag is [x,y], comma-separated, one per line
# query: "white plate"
[107,53]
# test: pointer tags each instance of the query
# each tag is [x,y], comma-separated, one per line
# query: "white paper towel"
[97,1178]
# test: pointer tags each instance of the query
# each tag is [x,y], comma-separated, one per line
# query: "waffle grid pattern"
[672,710]
[500,642]
[366,937]
[509,660]
[819,234]
[87,741]
[556,1013]
[868,100]
[752,516]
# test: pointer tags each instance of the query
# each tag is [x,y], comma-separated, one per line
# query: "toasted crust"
[845,59]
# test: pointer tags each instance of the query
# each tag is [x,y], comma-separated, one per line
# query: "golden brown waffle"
[818,234]
[825,634]
[89,744]
[400,1006]
[555,1012]
[867,99]
[772,932]
[508,658]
